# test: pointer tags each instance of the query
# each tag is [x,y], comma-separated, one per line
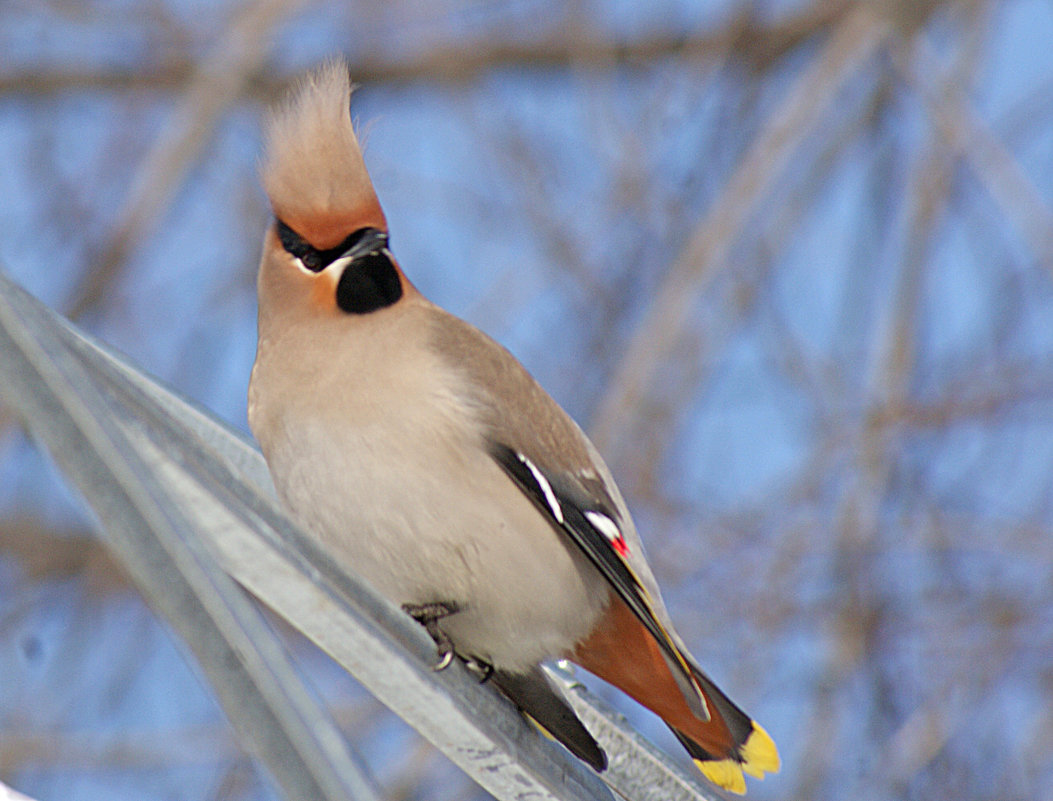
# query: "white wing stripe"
[604,525]
[546,488]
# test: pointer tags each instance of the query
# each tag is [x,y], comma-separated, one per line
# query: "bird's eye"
[371,245]
[295,245]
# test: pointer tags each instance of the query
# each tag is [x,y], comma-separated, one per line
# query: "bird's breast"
[388,470]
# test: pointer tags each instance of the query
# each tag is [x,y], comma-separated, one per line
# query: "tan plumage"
[314,174]
[424,456]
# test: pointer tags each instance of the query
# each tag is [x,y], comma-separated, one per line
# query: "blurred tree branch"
[211,87]
[43,552]
[966,133]
[749,40]
[857,37]
[151,749]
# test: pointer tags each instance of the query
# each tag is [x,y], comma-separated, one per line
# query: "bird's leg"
[429,615]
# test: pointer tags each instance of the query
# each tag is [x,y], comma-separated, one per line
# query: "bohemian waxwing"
[422,455]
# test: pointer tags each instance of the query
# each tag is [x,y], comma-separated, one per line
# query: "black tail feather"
[536,697]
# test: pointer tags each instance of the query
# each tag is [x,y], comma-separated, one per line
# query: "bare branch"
[213,86]
[968,134]
[750,40]
[853,42]
[43,552]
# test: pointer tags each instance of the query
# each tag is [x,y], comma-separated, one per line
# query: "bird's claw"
[480,668]
[445,659]
[429,615]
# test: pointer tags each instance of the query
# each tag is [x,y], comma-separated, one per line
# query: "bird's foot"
[484,670]
[429,615]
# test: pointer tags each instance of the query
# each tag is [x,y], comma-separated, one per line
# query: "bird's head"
[327,249]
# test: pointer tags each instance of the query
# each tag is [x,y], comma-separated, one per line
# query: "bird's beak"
[372,242]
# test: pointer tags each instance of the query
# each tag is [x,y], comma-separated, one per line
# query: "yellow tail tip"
[726,773]
[759,754]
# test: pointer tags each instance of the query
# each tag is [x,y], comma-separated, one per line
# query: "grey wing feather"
[518,413]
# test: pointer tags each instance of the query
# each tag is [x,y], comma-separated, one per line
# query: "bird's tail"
[545,706]
[722,740]
[730,743]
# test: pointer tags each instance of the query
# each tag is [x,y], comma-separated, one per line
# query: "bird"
[423,456]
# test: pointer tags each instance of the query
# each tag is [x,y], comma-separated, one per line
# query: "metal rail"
[186,504]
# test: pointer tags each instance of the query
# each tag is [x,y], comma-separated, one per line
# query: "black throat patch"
[368,283]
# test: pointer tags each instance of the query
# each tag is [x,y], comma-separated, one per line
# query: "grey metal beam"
[49,387]
[223,489]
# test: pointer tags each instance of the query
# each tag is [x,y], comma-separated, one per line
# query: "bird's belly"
[423,522]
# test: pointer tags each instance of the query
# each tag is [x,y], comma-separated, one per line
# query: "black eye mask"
[369,281]
[313,259]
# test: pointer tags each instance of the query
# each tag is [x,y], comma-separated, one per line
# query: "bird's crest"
[312,168]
